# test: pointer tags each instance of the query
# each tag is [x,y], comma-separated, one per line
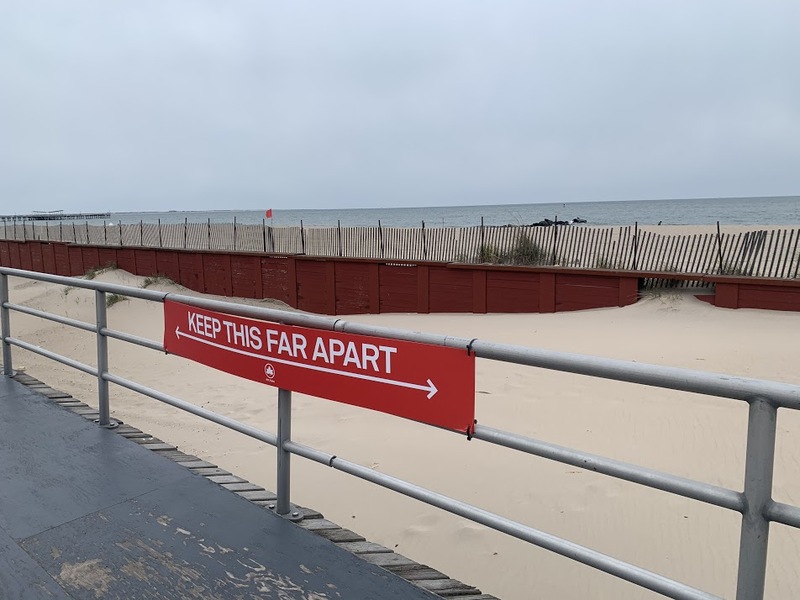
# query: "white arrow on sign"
[430,387]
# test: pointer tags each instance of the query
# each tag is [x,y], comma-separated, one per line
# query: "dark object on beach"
[548,223]
[577,220]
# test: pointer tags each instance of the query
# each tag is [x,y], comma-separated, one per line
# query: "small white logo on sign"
[269,371]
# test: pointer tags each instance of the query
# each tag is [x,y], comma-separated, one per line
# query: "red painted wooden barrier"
[352,286]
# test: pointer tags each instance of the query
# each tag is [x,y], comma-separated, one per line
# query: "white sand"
[688,435]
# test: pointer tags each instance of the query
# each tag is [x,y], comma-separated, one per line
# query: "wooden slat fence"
[755,253]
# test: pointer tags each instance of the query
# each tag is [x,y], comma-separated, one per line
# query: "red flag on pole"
[269,213]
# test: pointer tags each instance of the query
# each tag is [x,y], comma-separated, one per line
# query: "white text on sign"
[364,356]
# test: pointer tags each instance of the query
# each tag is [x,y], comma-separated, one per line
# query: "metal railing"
[754,503]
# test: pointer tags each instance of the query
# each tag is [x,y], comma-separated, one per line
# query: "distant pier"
[55,216]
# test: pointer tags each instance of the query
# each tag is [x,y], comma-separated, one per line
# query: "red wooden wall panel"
[145,262]
[37,261]
[91,257]
[397,288]
[49,258]
[167,264]
[451,290]
[75,254]
[275,278]
[512,292]
[217,273]
[107,256]
[312,292]
[190,268]
[727,295]
[5,255]
[352,288]
[13,251]
[61,252]
[25,256]
[769,297]
[581,292]
[423,289]
[126,260]
[628,290]
[246,275]
[479,300]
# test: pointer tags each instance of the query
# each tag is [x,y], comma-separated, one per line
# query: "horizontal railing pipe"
[248,430]
[308,452]
[53,356]
[133,339]
[592,558]
[686,380]
[88,284]
[785,514]
[681,486]
[51,317]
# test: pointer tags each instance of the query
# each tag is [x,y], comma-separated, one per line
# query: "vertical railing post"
[5,325]
[759,464]
[284,435]
[102,358]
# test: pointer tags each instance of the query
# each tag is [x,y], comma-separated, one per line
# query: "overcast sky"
[203,104]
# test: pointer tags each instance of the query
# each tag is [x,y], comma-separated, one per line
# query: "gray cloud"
[177,105]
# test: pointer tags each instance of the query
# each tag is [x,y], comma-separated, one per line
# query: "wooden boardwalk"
[87,512]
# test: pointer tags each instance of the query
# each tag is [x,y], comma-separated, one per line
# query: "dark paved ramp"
[85,513]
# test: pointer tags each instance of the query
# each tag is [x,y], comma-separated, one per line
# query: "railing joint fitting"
[295,515]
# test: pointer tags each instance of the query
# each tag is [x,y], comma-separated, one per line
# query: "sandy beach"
[685,434]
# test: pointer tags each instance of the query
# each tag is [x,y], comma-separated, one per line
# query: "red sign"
[431,384]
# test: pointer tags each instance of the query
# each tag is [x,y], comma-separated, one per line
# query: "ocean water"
[783,210]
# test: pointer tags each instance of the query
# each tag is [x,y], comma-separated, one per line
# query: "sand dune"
[685,434]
